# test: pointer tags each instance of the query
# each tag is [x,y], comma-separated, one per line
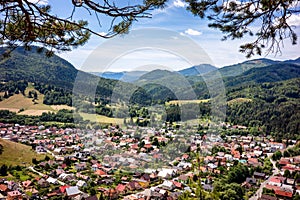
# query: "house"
[72,191]
[40,149]
[145,177]
[168,185]
[284,161]
[111,193]
[26,184]
[185,165]
[100,173]
[133,185]
[259,175]
[80,166]
[177,184]
[92,198]
[81,183]
[284,193]
[183,178]
[62,189]
[11,185]
[267,197]
[166,173]
[59,171]
[14,195]
[142,183]
[276,180]
[3,189]
[252,181]
[43,183]
[290,181]
[208,187]
[121,189]
[52,180]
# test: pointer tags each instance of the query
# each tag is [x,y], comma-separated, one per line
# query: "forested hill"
[238,69]
[37,67]
[272,73]
[34,66]
[275,107]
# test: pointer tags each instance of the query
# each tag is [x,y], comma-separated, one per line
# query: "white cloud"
[192,32]
[294,20]
[179,4]
[40,2]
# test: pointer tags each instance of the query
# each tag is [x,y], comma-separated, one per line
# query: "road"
[258,193]
[43,175]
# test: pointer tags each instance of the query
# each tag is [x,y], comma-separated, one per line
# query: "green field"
[180,102]
[101,119]
[17,154]
[239,100]
[18,101]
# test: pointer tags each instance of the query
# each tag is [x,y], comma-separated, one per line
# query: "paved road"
[263,184]
[41,174]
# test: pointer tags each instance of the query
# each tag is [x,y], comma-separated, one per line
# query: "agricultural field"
[101,118]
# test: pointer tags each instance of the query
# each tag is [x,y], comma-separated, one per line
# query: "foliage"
[13,87]
[293,151]
[274,107]
[34,23]
[3,170]
[173,113]
[238,19]
[65,116]
[277,155]
[1,149]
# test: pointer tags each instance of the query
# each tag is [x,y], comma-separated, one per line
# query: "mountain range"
[37,67]
[198,70]
[260,92]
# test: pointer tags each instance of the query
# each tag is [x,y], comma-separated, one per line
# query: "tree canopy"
[24,22]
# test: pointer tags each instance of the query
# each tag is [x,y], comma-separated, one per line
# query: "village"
[136,163]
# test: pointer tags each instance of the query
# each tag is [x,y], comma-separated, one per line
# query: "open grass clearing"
[17,154]
[101,119]
[180,102]
[239,100]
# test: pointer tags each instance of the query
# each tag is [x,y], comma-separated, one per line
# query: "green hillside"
[238,69]
[271,73]
[17,154]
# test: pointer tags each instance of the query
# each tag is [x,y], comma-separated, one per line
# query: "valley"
[156,135]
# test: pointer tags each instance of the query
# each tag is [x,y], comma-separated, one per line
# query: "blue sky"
[173,17]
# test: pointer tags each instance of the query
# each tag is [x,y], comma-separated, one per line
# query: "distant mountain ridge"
[197,70]
[36,67]
[237,69]
[272,73]
[126,76]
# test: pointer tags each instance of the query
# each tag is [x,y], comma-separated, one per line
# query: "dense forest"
[67,117]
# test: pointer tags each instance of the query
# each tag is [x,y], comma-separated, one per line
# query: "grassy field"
[180,102]
[101,119]
[60,107]
[17,154]
[239,100]
[18,101]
